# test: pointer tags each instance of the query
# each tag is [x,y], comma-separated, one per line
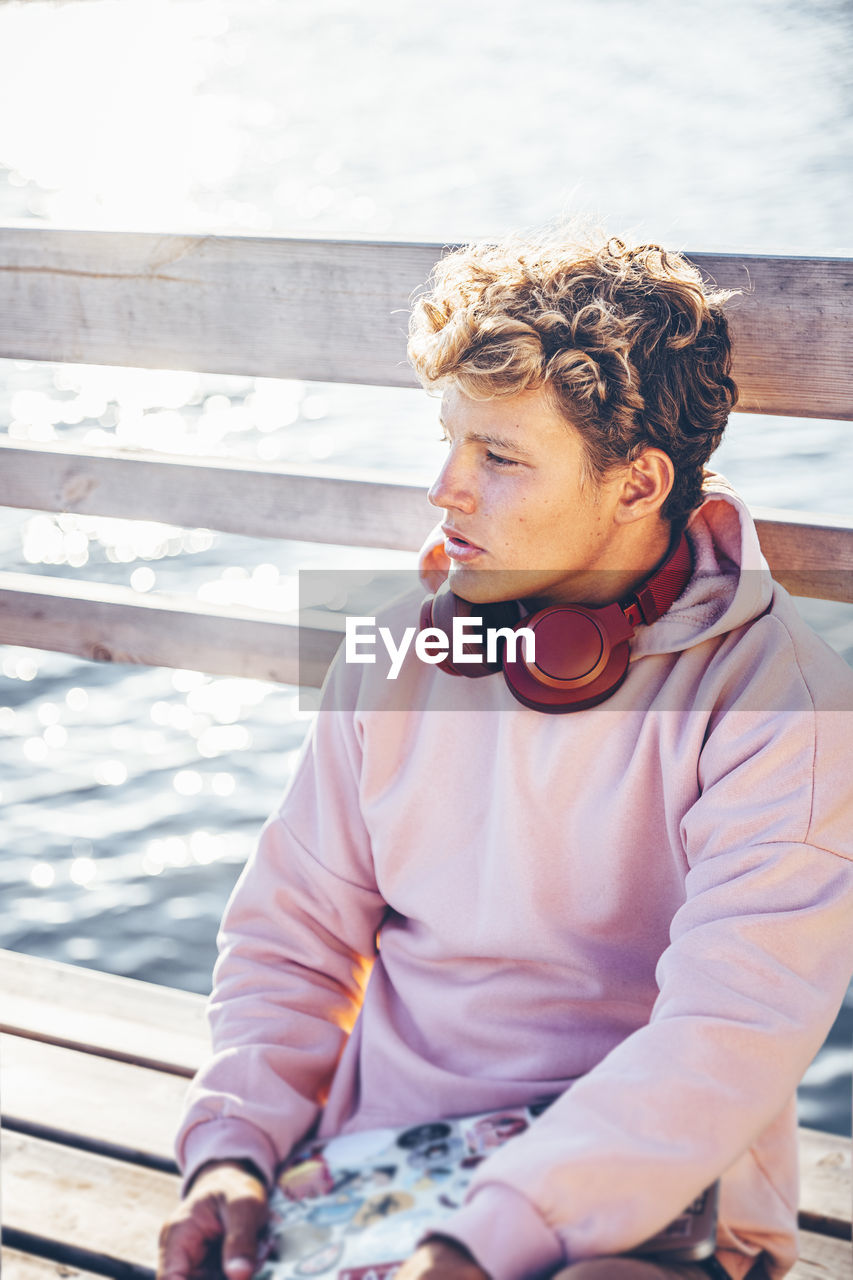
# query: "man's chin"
[483,586]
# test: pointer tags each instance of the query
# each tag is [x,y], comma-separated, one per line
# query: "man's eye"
[500,461]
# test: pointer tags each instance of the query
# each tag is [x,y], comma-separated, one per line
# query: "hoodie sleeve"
[759,958]
[296,945]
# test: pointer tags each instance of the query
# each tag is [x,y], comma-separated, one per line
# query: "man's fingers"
[227,1203]
[183,1247]
[243,1220]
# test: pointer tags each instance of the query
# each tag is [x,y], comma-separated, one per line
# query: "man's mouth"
[458,547]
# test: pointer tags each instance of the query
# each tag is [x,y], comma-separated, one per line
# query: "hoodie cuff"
[225,1140]
[504,1234]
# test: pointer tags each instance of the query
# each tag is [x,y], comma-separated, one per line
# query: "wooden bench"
[94,1070]
[94,1066]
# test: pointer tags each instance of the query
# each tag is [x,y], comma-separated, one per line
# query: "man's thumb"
[239,1267]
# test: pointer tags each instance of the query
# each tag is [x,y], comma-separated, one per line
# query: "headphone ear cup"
[581,658]
[425,620]
[524,685]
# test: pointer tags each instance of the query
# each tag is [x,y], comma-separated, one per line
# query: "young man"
[626,883]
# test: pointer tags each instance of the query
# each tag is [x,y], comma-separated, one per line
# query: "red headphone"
[581,651]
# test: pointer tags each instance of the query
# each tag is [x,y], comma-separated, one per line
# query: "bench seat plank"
[822,1258]
[17,1265]
[87,1201]
[116,1017]
[80,1098]
[825,1183]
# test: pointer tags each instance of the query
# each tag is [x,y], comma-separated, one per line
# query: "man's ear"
[646,483]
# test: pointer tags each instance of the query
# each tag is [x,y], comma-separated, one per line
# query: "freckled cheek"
[519,512]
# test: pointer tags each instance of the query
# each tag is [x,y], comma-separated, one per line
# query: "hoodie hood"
[730,584]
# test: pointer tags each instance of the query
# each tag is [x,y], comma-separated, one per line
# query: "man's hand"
[440,1259]
[226,1205]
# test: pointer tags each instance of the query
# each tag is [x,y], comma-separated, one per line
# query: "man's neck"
[632,559]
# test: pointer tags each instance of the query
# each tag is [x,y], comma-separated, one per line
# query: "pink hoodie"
[646,907]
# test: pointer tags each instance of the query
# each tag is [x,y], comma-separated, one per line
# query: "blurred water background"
[130,796]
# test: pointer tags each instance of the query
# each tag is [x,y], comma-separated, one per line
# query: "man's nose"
[453,486]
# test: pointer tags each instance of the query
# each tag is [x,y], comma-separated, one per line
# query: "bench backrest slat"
[812,554]
[231,497]
[108,623]
[336,310]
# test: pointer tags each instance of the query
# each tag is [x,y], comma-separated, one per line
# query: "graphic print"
[355,1207]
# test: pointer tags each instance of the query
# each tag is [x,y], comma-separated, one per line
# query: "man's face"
[520,521]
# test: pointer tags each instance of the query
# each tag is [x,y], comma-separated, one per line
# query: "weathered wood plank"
[822,1258]
[810,554]
[113,1107]
[86,1201]
[319,310]
[115,624]
[337,310]
[121,1018]
[825,1168]
[256,501]
[792,309]
[108,623]
[26,1266]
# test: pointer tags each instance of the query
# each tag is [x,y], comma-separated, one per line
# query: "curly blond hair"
[631,343]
